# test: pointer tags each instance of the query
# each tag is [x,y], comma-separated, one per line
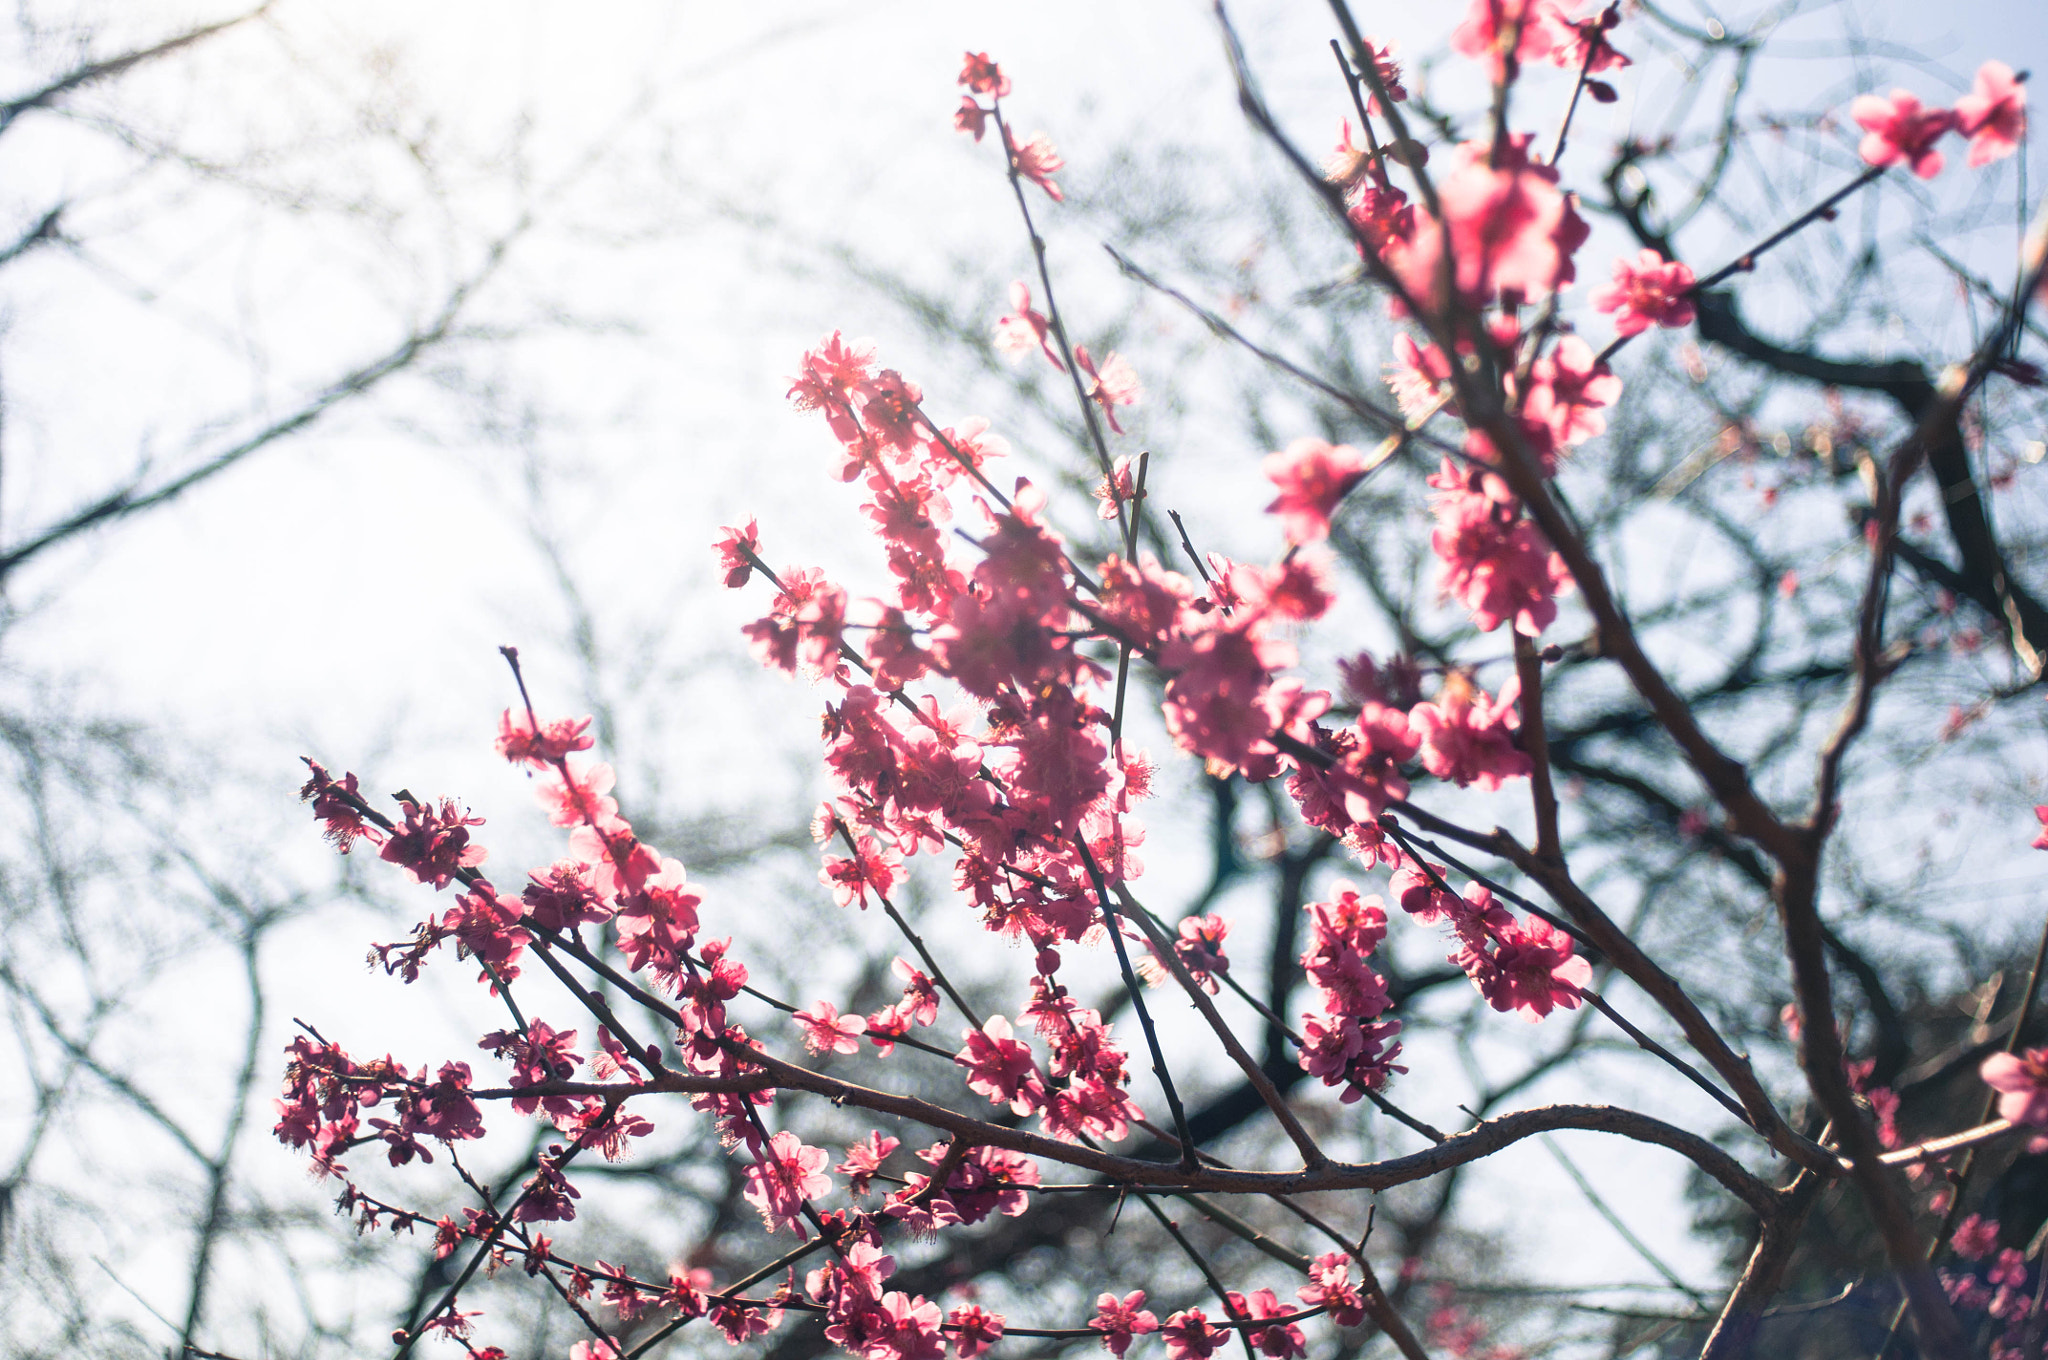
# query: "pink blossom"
[864,1159]
[737,566]
[1022,329]
[872,866]
[520,743]
[1115,385]
[1993,114]
[337,804]
[579,797]
[1313,475]
[1533,970]
[1348,164]
[1587,48]
[618,861]
[982,76]
[830,375]
[1121,1320]
[1283,1341]
[1332,1288]
[1419,377]
[1467,737]
[1508,228]
[914,1330]
[1036,161]
[825,1030]
[2009,1270]
[970,117]
[1343,1051]
[1899,129]
[974,1330]
[1975,1237]
[1647,291]
[2039,842]
[1001,1067]
[2022,1078]
[1115,490]
[786,1174]
[1567,388]
[1495,562]
[433,847]
[1190,1336]
[1504,32]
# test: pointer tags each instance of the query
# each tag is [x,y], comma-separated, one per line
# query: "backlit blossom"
[864,1159]
[1532,970]
[871,867]
[1507,227]
[1900,129]
[982,76]
[2022,1081]
[1022,329]
[1121,1320]
[1116,384]
[1313,475]
[1189,1335]
[974,1330]
[1567,388]
[520,743]
[734,565]
[1001,1067]
[1117,489]
[1036,161]
[1647,291]
[825,1030]
[785,1175]
[1468,736]
[1993,114]
[1503,31]
[1495,562]
[1419,377]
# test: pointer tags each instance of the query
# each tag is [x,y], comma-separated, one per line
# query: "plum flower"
[1900,129]
[1022,328]
[1121,1320]
[1993,114]
[2022,1081]
[825,1030]
[1313,475]
[1036,161]
[1648,291]
[787,1174]
[1001,1067]
[1116,384]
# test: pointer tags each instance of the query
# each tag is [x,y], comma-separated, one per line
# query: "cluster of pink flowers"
[971,716]
[1901,130]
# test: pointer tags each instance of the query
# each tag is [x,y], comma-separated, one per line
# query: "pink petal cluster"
[1525,965]
[1507,227]
[1468,737]
[1347,1045]
[2021,1079]
[1647,291]
[1312,475]
[1901,129]
[1496,563]
[1993,114]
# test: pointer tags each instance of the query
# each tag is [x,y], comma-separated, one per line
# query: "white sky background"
[343,593]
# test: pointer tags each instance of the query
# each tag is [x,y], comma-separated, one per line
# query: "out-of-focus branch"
[91,73]
[141,495]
